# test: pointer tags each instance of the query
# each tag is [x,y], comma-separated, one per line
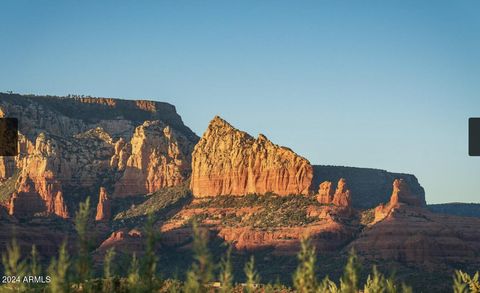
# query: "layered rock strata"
[407,232]
[69,146]
[158,156]
[227,161]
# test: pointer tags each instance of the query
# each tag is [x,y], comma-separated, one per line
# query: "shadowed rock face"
[229,161]
[369,187]
[69,147]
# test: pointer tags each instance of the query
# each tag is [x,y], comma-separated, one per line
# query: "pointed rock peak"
[59,206]
[342,185]
[230,161]
[402,194]
[342,194]
[262,137]
[103,207]
[220,127]
[218,121]
[325,192]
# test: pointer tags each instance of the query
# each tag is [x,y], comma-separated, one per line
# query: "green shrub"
[463,282]
[304,279]
[253,279]
[201,272]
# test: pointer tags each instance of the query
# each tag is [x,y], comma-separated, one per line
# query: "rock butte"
[405,231]
[227,161]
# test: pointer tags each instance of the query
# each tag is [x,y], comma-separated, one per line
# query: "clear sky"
[383,84]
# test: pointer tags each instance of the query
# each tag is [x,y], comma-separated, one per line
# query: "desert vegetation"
[76,273]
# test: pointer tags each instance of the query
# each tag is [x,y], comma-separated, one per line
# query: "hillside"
[135,158]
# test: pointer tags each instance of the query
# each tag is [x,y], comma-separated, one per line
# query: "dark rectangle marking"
[474,136]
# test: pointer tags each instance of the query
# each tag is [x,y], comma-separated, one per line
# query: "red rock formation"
[159,158]
[60,209]
[368,187]
[325,193]
[407,232]
[124,241]
[229,161]
[103,207]
[327,237]
[146,105]
[123,151]
[341,197]
[401,195]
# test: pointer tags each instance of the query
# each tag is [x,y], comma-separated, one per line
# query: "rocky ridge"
[69,147]
[227,161]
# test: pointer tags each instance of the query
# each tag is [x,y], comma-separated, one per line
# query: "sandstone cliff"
[229,161]
[160,157]
[70,146]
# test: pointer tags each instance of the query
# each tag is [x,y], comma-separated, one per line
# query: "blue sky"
[383,84]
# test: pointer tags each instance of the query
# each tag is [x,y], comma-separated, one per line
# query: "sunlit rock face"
[104,210]
[71,146]
[160,157]
[229,161]
[339,197]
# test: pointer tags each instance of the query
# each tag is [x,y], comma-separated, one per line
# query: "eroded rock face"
[71,146]
[325,193]
[369,187]
[229,161]
[401,195]
[405,231]
[160,157]
[104,212]
[339,197]
[124,241]
[327,228]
